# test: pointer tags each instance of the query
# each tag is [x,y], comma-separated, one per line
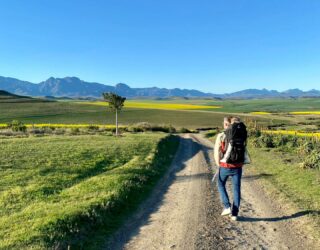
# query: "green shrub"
[280,140]
[184,130]
[293,143]
[36,131]
[305,148]
[17,126]
[93,127]
[171,129]
[267,140]
[140,127]
[145,126]
[256,142]
[254,132]
[59,131]
[135,129]
[75,131]
[165,128]
[312,160]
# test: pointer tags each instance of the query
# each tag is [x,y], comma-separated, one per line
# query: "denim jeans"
[235,174]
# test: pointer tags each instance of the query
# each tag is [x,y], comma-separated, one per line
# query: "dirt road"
[184,212]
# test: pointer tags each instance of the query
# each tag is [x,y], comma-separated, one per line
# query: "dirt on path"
[184,210]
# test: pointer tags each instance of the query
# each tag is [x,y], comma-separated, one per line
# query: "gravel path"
[184,212]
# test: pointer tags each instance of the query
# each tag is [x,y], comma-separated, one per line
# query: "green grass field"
[71,112]
[70,190]
[248,105]
[76,190]
[283,177]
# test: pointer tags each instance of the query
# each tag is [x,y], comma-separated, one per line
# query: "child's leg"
[227,154]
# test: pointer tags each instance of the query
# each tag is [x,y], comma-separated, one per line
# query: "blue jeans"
[235,174]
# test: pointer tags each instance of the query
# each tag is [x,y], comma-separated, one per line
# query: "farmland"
[246,105]
[159,105]
[70,185]
[292,133]
[194,114]
[177,112]
[69,189]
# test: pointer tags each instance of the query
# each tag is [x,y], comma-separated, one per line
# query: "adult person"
[227,169]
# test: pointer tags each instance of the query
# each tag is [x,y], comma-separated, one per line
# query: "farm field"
[53,188]
[78,188]
[247,105]
[288,114]
[71,112]
[158,105]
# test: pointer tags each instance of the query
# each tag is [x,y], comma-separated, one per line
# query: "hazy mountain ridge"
[75,87]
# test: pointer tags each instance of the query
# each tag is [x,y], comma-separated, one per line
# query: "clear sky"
[214,46]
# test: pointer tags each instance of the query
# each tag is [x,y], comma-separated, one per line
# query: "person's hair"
[227,119]
[235,119]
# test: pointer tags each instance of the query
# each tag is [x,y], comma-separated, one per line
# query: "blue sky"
[214,46]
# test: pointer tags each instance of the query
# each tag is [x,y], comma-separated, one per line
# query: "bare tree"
[116,103]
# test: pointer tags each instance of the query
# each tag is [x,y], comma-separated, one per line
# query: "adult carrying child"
[230,155]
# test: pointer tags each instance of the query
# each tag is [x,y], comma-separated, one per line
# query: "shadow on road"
[275,219]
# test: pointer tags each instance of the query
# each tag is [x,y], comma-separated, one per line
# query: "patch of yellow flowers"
[305,113]
[260,113]
[153,105]
[292,132]
[61,125]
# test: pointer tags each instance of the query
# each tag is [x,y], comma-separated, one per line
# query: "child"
[236,132]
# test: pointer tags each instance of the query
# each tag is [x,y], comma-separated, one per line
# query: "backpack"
[236,138]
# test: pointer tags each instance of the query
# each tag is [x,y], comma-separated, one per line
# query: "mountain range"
[74,87]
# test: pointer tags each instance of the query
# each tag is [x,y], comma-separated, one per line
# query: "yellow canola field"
[60,125]
[260,113]
[151,105]
[292,132]
[305,113]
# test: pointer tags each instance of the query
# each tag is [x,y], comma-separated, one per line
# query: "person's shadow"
[286,217]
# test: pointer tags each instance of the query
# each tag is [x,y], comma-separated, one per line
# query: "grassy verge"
[65,191]
[282,176]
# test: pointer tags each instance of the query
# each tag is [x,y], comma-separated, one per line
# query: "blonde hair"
[235,119]
[227,119]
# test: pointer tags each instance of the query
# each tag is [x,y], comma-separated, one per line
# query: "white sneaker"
[226,211]
[234,218]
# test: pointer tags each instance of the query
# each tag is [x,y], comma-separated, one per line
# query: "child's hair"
[227,119]
[235,119]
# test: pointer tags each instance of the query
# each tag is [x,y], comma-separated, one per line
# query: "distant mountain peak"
[122,86]
[72,86]
[71,78]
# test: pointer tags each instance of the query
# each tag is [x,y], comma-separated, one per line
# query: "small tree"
[115,102]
